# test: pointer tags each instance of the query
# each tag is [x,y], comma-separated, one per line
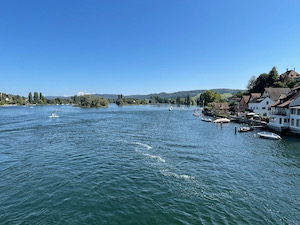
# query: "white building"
[286,112]
[262,104]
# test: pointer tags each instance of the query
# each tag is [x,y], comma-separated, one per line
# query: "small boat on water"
[269,135]
[53,115]
[222,120]
[170,108]
[245,129]
[206,119]
[196,113]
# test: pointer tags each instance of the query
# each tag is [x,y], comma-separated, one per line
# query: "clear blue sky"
[61,47]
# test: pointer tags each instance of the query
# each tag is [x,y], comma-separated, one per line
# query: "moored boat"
[53,115]
[245,129]
[206,119]
[170,108]
[269,135]
[222,120]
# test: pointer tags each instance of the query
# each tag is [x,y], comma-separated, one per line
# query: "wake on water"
[143,146]
[140,149]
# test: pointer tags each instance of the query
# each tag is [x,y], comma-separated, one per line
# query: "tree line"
[268,80]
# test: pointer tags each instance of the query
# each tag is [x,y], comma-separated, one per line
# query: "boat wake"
[177,176]
[143,145]
[158,158]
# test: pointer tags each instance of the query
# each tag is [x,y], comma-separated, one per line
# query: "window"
[269,108]
[298,123]
[267,103]
[280,120]
[292,111]
[293,122]
[298,112]
[285,120]
[263,108]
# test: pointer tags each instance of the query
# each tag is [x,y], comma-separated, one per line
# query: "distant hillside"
[194,94]
[182,94]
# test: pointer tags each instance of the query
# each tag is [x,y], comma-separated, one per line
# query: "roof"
[245,98]
[288,75]
[221,106]
[256,100]
[255,95]
[287,100]
[275,93]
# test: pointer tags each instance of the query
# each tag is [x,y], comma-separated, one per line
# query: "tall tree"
[273,77]
[188,99]
[178,100]
[210,96]
[35,97]
[30,98]
[251,83]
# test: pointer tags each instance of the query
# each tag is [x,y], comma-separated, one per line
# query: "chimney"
[294,69]
[287,69]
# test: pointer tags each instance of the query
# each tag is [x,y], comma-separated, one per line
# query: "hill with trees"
[266,80]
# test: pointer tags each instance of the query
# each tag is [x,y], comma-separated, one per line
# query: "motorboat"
[222,120]
[269,135]
[245,129]
[206,119]
[196,113]
[170,108]
[53,115]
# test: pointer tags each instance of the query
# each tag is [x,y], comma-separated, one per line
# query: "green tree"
[251,83]
[178,100]
[188,99]
[30,98]
[239,94]
[35,97]
[260,83]
[292,83]
[210,96]
[273,77]
[279,84]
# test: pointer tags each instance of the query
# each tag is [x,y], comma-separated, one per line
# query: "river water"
[141,165]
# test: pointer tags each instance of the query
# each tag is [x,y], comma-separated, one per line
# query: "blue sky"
[62,47]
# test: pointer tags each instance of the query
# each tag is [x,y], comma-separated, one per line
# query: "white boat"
[206,119]
[53,115]
[245,129]
[170,108]
[222,120]
[196,113]
[269,135]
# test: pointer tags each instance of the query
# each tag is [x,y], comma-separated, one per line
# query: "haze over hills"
[182,94]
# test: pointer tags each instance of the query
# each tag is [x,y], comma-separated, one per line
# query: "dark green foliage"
[210,97]
[30,98]
[129,101]
[178,100]
[75,99]
[35,97]
[268,80]
[279,84]
[188,100]
[90,101]
[239,94]
[293,83]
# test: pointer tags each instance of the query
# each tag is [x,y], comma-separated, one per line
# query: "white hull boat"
[53,116]
[222,120]
[206,119]
[269,135]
